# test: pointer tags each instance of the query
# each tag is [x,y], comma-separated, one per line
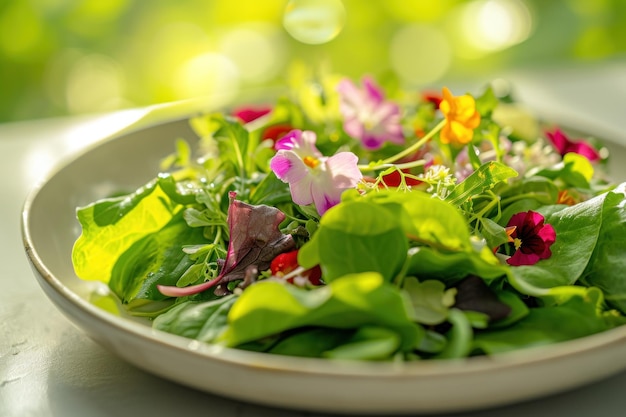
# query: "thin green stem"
[408,151]
[494,202]
[518,197]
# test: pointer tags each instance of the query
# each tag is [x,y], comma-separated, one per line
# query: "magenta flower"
[565,145]
[249,114]
[531,238]
[367,116]
[313,177]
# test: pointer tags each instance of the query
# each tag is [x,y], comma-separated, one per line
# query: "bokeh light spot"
[256,50]
[95,83]
[208,74]
[420,54]
[314,21]
[494,25]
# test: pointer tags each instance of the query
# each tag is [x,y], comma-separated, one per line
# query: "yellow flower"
[461,118]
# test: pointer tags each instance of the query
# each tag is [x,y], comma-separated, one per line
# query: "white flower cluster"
[440,179]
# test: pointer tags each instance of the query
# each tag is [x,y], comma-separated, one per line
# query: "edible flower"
[313,177]
[432,97]
[286,264]
[564,145]
[368,117]
[249,114]
[276,132]
[531,238]
[566,197]
[461,118]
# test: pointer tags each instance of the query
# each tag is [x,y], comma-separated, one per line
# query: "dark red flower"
[565,145]
[287,262]
[432,97]
[394,179]
[248,114]
[531,238]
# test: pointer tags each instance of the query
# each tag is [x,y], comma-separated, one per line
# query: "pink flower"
[565,145]
[313,177]
[367,116]
[531,238]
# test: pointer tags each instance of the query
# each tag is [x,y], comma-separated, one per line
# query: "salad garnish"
[357,220]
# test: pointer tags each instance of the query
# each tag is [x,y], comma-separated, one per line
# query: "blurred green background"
[60,57]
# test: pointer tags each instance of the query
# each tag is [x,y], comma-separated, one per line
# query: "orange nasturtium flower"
[461,118]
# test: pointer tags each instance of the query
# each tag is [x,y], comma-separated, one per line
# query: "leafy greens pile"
[351,222]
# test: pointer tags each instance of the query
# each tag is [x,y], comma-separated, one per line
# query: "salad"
[352,219]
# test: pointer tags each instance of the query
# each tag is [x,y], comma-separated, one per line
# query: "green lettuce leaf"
[155,259]
[347,237]
[580,315]
[111,226]
[350,302]
[607,267]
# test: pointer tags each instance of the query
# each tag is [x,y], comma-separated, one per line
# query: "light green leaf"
[111,226]
[430,300]
[350,302]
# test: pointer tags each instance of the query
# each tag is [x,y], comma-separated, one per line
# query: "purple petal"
[288,141]
[280,165]
[324,201]
[371,142]
[288,166]
[373,91]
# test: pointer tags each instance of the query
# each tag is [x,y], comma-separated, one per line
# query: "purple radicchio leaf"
[255,240]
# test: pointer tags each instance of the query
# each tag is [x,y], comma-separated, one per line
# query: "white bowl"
[127,161]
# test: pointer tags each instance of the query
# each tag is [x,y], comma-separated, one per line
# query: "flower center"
[517,242]
[311,161]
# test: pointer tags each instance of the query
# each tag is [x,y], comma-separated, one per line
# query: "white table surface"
[48,367]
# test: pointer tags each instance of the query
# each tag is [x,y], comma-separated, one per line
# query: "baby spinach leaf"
[459,337]
[426,220]
[451,267]
[155,259]
[310,342]
[349,302]
[367,343]
[607,266]
[577,317]
[202,321]
[517,309]
[347,237]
